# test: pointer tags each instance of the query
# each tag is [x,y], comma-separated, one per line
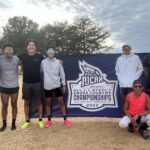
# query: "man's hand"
[134,119]
[61,62]
[64,89]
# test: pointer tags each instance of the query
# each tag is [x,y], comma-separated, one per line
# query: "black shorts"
[31,90]
[57,92]
[9,91]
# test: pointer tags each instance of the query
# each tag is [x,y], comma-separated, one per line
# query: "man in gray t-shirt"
[9,86]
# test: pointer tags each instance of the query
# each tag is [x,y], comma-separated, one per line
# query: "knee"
[148,117]
[148,120]
[48,103]
[14,105]
[26,103]
[123,124]
[61,103]
[40,102]
[4,106]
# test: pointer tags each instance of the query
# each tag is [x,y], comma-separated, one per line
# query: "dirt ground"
[85,134]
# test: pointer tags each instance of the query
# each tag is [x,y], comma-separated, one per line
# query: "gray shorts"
[31,90]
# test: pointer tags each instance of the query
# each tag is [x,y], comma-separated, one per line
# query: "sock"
[13,127]
[49,117]
[4,123]
[13,121]
[144,126]
[65,117]
[40,119]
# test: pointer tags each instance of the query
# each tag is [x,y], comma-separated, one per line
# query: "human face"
[31,48]
[8,51]
[137,88]
[50,55]
[126,50]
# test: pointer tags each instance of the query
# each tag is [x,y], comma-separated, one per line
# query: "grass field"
[85,134]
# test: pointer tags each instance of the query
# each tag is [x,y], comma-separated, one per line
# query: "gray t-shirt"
[9,71]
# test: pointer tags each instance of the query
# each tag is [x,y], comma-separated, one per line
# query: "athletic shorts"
[31,90]
[57,92]
[125,90]
[9,90]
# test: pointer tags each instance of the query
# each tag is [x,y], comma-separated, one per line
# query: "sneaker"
[25,125]
[67,123]
[13,127]
[48,124]
[2,128]
[144,134]
[41,124]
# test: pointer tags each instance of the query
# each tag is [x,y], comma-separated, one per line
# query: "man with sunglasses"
[137,110]
[128,68]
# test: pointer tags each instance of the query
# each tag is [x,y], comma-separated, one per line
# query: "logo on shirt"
[92,91]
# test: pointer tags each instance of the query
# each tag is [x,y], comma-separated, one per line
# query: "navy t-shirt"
[31,67]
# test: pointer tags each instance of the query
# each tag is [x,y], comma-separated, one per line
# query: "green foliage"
[83,36]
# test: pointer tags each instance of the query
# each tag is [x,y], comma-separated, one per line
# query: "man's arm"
[133,119]
[125,107]
[146,72]
[117,68]
[145,65]
[139,69]
[63,80]
[147,106]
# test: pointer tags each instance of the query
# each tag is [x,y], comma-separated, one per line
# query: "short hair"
[51,50]
[7,45]
[137,82]
[30,40]
[124,46]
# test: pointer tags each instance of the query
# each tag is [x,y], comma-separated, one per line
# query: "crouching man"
[137,110]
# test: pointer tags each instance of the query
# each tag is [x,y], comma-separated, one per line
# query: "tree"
[18,30]
[83,36]
[91,36]
[55,36]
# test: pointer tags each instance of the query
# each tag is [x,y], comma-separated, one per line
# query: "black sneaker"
[2,128]
[130,130]
[144,134]
[13,127]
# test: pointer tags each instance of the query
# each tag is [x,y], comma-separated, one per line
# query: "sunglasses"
[138,86]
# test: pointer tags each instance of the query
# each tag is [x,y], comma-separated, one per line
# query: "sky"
[128,21]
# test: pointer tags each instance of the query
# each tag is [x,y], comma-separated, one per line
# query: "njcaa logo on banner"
[92,91]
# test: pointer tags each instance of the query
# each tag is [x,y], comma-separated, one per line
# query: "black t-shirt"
[146,62]
[31,67]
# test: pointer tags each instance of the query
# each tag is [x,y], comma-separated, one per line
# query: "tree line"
[83,36]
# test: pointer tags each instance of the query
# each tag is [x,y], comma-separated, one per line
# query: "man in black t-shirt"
[31,62]
[146,65]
